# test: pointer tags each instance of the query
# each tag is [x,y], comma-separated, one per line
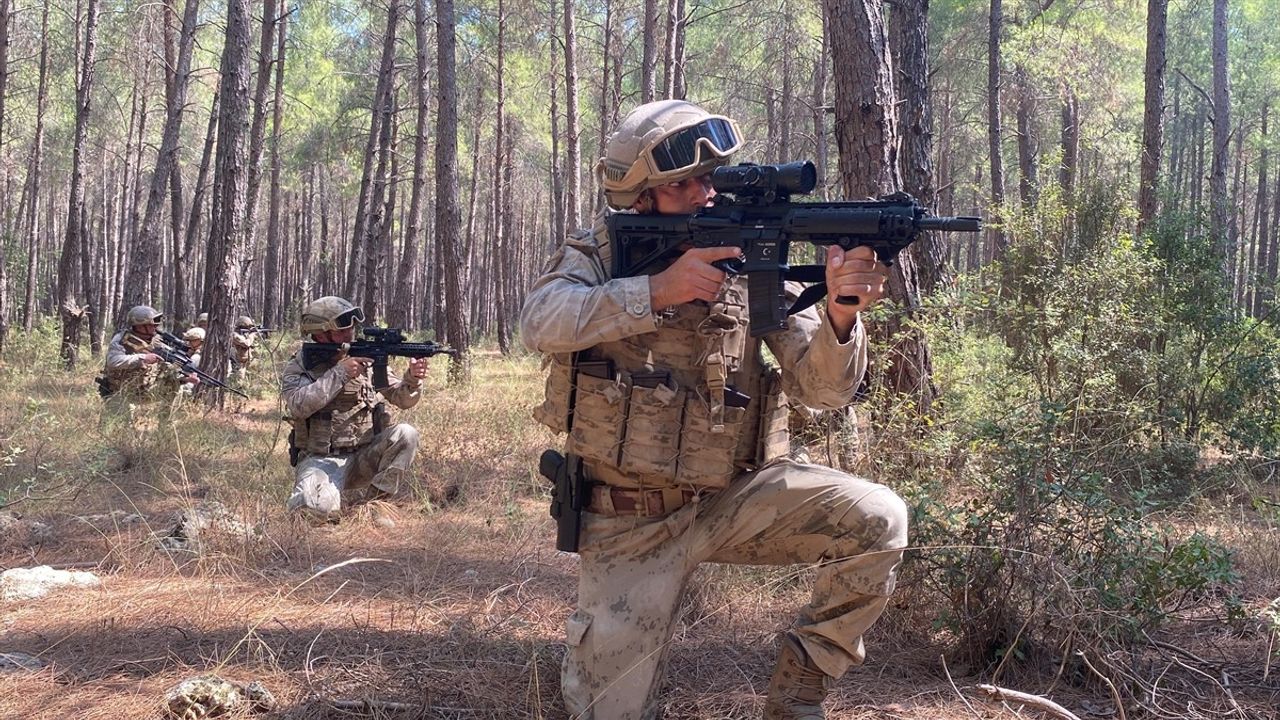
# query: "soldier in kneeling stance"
[343,445]
[680,425]
[133,375]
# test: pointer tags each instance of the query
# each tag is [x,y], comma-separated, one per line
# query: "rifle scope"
[793,178]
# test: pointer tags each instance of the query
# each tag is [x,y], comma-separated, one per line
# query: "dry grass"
[455,612]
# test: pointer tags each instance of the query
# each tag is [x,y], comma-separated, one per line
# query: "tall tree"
[447,215]
[229,239]
[70,309]
[147,249]
[649,60]
[400,308]
[1153,113]
[5,208]
[994,127]
[572,139]
[271,288]
[1262,291]
[1221,138]
[33,175]
[866,125]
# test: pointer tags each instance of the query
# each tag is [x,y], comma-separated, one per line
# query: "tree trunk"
[649,60]
[33,175]
[1070,145]
[5,209]
[147,249]
[866,129]
[994,128]
[257,133]
[1153,114]
[379,213]
[72,312]
[820,109]
[922,267]
[1028,182]
[271,288]
[355,260]
[607,99]
[669,50]
[447,217]
[1221,136]
[397,313]
[1261,290]
[572,139]
[230,238]
[679,87]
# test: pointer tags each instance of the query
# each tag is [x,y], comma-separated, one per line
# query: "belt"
[613,501]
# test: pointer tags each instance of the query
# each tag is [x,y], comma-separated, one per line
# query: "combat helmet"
[663,142]
[195,333]
[202,319]
[244,322]
[329,313]
[143,315]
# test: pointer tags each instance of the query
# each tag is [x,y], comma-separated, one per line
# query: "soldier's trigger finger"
[711,254]
[862,252]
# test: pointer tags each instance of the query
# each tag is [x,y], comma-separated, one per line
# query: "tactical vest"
[346,424]
[692,404]
[141,381]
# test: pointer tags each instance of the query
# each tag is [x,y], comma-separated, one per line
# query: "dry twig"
[1040,703]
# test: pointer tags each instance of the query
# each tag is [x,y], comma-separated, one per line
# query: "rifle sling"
[815,274]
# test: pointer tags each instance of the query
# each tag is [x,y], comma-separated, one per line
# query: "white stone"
[35,582]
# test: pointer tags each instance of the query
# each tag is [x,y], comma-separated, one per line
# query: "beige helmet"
[244,322]
[195,333]
[142,315]
[202,319]
[329,313]
[663,142]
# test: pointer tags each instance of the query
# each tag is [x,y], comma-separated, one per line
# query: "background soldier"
[195,340]
[681,426]
[242,345]
[341,444]
[133,374]
[202,321]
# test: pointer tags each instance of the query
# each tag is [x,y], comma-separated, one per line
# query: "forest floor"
[400,611]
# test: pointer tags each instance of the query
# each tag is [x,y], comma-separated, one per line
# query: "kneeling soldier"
[342,444]
[133,374]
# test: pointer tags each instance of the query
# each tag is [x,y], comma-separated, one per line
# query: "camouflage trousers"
[327,483]
[634,570]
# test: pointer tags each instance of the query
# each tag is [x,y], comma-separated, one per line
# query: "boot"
[798,687]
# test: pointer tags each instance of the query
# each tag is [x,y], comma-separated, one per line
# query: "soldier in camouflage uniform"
[133,375]
[343,445]
[681,426]
[243,341]
[202,321]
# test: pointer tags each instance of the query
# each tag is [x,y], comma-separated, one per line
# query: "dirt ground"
[417,610]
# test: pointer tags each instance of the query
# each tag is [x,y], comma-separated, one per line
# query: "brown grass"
[456,612]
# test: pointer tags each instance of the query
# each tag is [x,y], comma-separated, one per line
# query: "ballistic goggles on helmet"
[348,319]
[683,149]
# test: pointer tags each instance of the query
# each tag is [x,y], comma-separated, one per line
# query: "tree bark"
[147,249]
[5,209]
[33,175]
[669,50]
[1221,137]
[271,288]
[994,127]
[866,128]
[386,64]
[1070,145]
[820,109]
[397,313]
[230,238]
[649,60]
[447,215]
[70,309]
[1153,114]
[1028,181]
[572,135]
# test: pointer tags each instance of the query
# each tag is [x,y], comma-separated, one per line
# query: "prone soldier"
[678,448]
[343,445]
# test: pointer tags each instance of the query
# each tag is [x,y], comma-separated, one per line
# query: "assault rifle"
[753,211]
[381,344]
[264,332]
[171,350]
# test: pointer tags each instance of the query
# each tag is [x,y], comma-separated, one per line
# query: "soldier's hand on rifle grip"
[150,358]
[355,366]
[855,281]
[691,277]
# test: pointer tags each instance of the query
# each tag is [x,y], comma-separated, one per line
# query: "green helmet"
[663,142]
[244,322]
[143,315]
[329,313]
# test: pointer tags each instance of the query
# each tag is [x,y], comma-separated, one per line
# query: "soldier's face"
[146,331]
[345,335]
[684,197]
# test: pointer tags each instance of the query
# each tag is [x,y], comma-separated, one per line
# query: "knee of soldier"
[405,434]
[320,499]
[878,519]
